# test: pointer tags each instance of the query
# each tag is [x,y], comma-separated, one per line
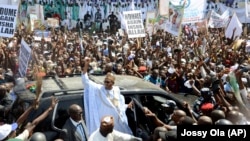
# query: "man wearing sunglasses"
[101,100]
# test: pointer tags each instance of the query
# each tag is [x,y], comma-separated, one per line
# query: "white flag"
[247,4]
[123,23]
[132,5]
[164,7]
[234,26]
[218,21]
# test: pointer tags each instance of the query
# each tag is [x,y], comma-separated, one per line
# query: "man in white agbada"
[101,100]
[107,133]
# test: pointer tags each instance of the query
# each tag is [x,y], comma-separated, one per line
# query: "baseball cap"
[169,103]
[168,135]
[6,129]
[206,92]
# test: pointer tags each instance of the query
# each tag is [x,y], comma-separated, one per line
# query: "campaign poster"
[8,19]
[176,13]
[150,22]
[193,10]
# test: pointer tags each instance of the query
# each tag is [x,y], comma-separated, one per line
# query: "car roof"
[53,86]
[125,82]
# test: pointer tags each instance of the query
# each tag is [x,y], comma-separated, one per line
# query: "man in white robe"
[101,100]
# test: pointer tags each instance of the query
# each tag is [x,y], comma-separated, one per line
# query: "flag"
[81,46]
[247,4]
[235,27]
[163,7]
[123,23]
[180,27]
[133,5]
[218,21]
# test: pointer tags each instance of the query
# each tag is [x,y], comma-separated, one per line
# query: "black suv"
[70,90]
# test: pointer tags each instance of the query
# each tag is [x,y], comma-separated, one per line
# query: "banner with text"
[193,11]
[8,18]
[24,57]
[218,21]
[134,24]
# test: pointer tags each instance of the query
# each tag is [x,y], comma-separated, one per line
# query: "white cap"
[157,43]
[224,78]
[171,70]
[244,80]
[6,129]
[187,84]
[183,60]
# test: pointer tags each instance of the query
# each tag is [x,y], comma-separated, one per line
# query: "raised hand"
[54,101]
[87,60]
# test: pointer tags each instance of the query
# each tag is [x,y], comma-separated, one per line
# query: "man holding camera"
[205,103]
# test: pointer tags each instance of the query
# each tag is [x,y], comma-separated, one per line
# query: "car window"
[61,112]
[153,102]
[131,115]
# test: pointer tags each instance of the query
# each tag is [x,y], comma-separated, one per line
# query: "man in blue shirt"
[155,78]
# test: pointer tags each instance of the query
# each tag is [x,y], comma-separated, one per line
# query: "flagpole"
[180,26]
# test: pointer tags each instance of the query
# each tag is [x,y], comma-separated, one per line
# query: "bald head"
[177,115]
[204,120]
[180,113]
[75,112]
[217,114]
[233,116]
[186,120]
[107,125]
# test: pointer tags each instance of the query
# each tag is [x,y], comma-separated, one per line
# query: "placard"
[39,34]
[24,57]
[8,17]
[134,24]
[53,22]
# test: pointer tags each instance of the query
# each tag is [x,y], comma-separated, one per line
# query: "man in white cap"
[100,100]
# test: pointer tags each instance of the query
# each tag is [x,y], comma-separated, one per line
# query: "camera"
[216,86]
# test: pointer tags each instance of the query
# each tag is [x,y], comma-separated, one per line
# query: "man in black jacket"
[74,128]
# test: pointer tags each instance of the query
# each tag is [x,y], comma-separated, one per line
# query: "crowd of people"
[208,65]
